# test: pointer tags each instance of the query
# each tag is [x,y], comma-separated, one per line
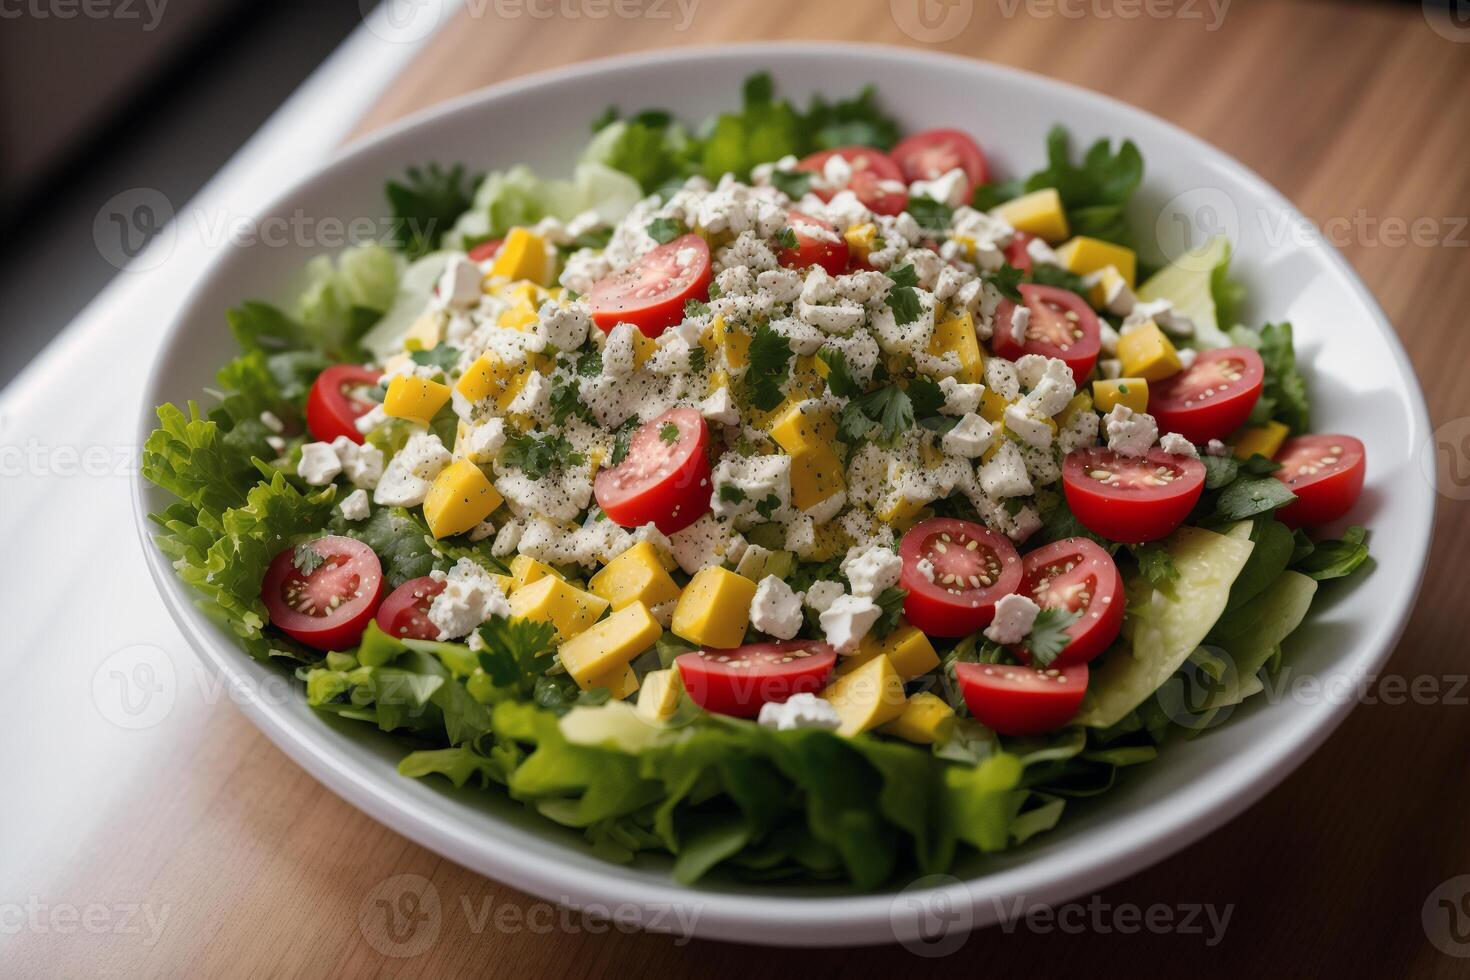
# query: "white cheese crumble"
[970,437]
[1173,442]
[1015,614]
[355,506]
[803,710]
[319,464]
[822,593]
[1130,433]
[409,474]
[776,609]
[872,570]
[847,620]
[470,597]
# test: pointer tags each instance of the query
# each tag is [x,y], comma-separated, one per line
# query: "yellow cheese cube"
[714,609]
[523,256]
[1132,392]
[992,406]
[861,239]
[492,377]
[414,398]
[1082,256]
[799,428]
[908,649]
[524,570]
[816,474]
[1265,439]
[925,719]
[728,342]
[551,600]
[504,581]
[644,347]
[636,575]
[1109,283]
[518,317]
[1081,402]
[867,697]
[1146,353]
[659,696]
[601,648]
[620,681]
[1039,213]
[425,333]
[957,336]
[460,497]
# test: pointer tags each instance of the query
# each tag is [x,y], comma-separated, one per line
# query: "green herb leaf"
[793,183]
[1336,559]
[1007,281]
[1155,564]
[770,365]
[1247,497]
[539,455]
[1048,636]
[931,215]
[731,494]
[513,654]
[839,378]
[426,203]
[901,298]
[786,238]
[306,558]
[669,433]
[443,357]
[665,230]
[890,600]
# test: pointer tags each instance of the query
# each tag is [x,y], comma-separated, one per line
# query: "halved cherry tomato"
[737,682]
[973,567]
[817,243]
[405,613]
[1016,700]
[1016,252]
[485,251]
[1212,397]
[1077,574]
[665,478]
[876,180]
[651,293]
[329,608]
[1326,474]
[331,409]
[935,152]
[1061,325]
[1131,498]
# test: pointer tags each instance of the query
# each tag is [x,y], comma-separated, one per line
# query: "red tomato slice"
[1016,700]
[737,682]
[817,243]
[1077,574]
[935,152]
[973,567]
[1131,498]
[405,613]
[1061,325]
[332,408]
[329,608]
[876,180]
[1212,397]
[1326,474]
[651,293]
[1016,254]
[665,478]
[486,251]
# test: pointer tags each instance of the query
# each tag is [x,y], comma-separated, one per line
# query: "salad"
[791,495]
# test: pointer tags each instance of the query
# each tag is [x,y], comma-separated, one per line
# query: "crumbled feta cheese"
[319,464]
[1187,357]
[1107,338]
[699,545]
[1052,390]
[459,285]
[355,506]
[720,407]
[1130,433]
[276,443]
[872,570]
[750,485]
[824,510]
[847,620]
[1173,442]
[470,597]
[1216,448]
[1080,431]
[951,188]
[970,437]
[776,610]
[371,419]
[534,398]
[1000,377]
[1033,431]
[407,477]
[361,464]
[803,710]
[508,538]
[663,612]
[925,568]
[1015,614]
[1020,320]
[1041,253]
[481,442]
[1005,474]
[822,593]
[751,561]
[1110,368]
[619,353]
[960,398]
[562,327]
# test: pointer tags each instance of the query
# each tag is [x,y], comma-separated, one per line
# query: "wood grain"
[1342,107]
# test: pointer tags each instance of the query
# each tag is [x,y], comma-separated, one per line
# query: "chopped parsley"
[1006,280]
[669,433]
[839,377]
[306,558]
[443,357]
[694,308]
[697,357]
[539,455]
[765,508]
[1048,636]
[665,230]
[1155,564]
[931,215]
[902,299]
[786,237]
[890,600]
[892,410]
[770,365]
[793,183]
[731,494]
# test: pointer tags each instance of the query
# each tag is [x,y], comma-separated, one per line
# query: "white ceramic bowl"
[1360,381]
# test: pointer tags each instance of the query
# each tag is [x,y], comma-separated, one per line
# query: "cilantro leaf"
[1006,280]
[931,215]
[926,397]
[694,308]
[539,455]
[786,237]
[566,401]
[665,230]
[443,357]
[621,439]
[306,558]
[1053,275]
[669,433]
[1095,195]
[770,365]
[731,494]
[765,508]
[901,298]
[513,654]
[890,409]
[903,276]
[839,377]
[426,202]
[697,360]
[793,183]
[890,600]
[589,363]
[1048,636]
[1155,564]
[857,121]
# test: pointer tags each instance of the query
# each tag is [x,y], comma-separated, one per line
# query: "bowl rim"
[773,918]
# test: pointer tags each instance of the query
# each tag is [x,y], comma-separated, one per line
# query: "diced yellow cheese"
[1039,213]
[1265,439]
[799,428]
[806,378]
[925,719]
[460,497]
[564,606]
[900,512]
[1083,255]
[504,581]
[425,333]
[518,318]
[523,256]
[1109,282]
[524,570]
[620,681]
[1146,353]
[957,336]
[714,608]
[492,377]
[658,698]
[636,575]
[908,649]
[644,347]
[1081,402]
[1132,392]
[829,541]
[992,406]
[867,697]
[816,474]
[730,342]
[414,398]
[601,648]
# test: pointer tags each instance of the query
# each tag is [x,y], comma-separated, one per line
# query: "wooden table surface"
[247,865]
